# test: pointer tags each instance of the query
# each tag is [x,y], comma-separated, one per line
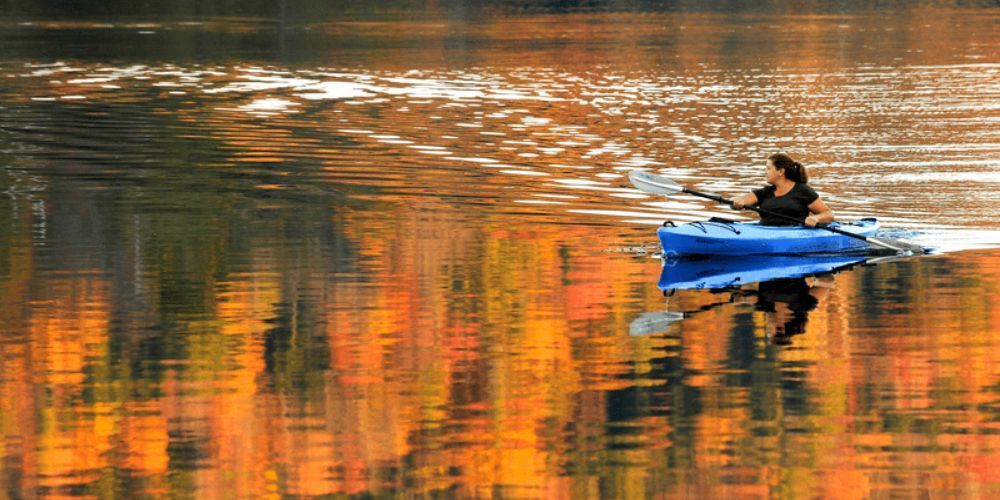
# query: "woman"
[786,194]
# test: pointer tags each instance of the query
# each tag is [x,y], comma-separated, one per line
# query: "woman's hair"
[794,170]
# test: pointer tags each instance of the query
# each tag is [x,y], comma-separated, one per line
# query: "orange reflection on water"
[392,322]
[429,387]
[66,329]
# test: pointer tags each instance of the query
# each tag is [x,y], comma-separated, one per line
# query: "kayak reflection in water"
[786,303]
[785,288]
[786,194]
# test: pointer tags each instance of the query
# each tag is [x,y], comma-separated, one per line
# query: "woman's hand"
[821,214]
[743,201]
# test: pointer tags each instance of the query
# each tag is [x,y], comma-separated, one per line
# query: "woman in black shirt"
[786,194]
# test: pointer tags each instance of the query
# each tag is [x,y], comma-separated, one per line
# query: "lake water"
[395,252]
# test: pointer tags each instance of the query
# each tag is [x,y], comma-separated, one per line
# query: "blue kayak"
[729,271]
[718,237]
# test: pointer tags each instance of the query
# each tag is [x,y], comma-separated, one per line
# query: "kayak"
[722,237]
[732,271]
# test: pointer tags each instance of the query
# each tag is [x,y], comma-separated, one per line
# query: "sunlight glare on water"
[459,116]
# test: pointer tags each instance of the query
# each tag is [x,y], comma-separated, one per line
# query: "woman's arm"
[745,200]
[821,214]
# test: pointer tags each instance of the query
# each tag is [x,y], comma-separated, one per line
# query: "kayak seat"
[722,220]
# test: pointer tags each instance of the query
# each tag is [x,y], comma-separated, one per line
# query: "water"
[396,252]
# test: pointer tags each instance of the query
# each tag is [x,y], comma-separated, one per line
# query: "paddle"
[656,184]
[648,323]
[654,322]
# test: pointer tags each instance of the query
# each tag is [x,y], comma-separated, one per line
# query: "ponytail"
[794,171]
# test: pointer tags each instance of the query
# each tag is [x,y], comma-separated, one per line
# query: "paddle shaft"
[784,217]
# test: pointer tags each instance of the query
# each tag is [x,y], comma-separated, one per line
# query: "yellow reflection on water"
[510,378]
[355,297]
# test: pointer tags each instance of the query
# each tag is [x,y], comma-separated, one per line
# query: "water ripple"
[424,133]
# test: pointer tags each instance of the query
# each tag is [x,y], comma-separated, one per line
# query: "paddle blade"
[652,183]
[649,323]
[899,247]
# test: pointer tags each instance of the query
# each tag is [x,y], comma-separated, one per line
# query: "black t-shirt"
[795,203]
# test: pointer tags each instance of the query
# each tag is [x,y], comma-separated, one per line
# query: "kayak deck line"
[728,224]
